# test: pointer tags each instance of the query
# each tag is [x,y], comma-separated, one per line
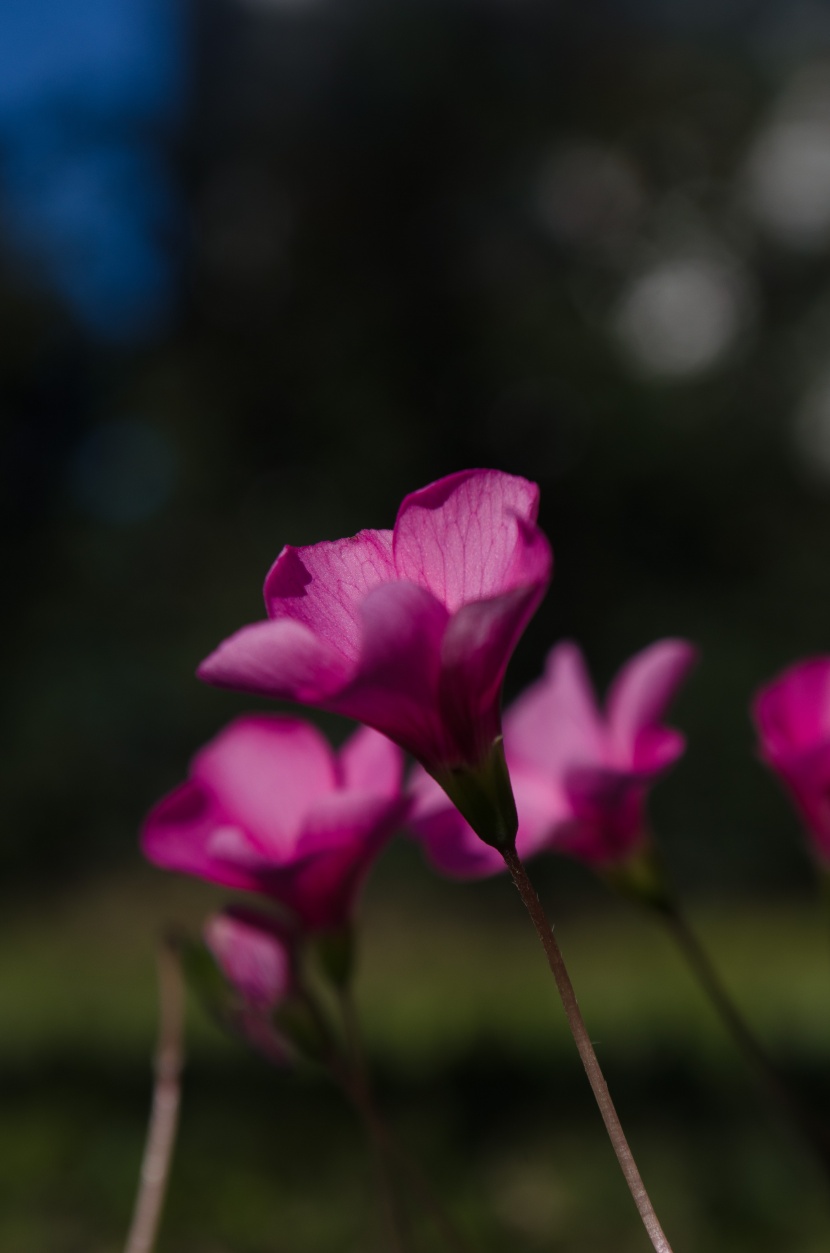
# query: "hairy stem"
[164,1114]
[585,1048]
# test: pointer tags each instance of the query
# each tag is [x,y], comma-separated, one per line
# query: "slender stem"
[585,1048]
[353,1086]
[164,1114]
[357,1093]
[823,872]
[419,1182]
[812,1130]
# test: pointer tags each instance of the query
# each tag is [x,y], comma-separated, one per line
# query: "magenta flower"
[603,761]
[410,631]
[270,808]
[580,776]
[256,956]
[792,717]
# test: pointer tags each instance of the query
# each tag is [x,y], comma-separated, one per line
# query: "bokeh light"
[682,316]
[787,173]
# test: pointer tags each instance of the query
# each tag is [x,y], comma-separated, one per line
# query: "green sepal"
[297,1022]
[335,953]
[204,978]
[823,873]
[483,795]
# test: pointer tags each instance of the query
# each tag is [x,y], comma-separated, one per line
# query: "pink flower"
[792,717]
[256,956]
[580,775]
[603,761]
[410,631]
[269,807]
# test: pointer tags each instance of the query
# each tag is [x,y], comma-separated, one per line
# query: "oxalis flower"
[269,807]
[792,717]
[410,631]
[581,775]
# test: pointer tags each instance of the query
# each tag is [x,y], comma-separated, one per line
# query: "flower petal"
[187,831]
[555,723]
[477,647]
[655,749]
[453,847]
[394,688]
[466,537]
[267,771]
[793,711]
[807,776]
[343,836]
[253,954]
[641,692]
[277,658]
[323,586]
[370,762]
[608,823]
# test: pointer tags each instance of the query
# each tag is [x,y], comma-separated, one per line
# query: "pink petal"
[594,843]
[323,586]
[351,818]
[462,538]
[453,847]
[277,658]
[253,955]
[555,722]
[655,749]
[477,647]
[807,776]
[394,689]
[793,711]
[179,834]
[267,772]
[370,762]
[343,836]
[608,808]
[641,692]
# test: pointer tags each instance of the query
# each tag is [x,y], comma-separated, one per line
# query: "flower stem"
[813,1132]
[418,1181]
[585,1048]
[164,1114]
[358,1095]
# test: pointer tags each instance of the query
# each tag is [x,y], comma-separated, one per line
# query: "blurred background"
[265,267]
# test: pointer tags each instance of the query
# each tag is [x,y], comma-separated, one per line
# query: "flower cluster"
[410,632]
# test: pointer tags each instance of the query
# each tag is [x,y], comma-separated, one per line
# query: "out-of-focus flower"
[410,631]
[792,717]
[269,807]
[604,761]
[581,775]
[256,956]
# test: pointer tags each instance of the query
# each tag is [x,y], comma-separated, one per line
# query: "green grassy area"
[474,1066]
